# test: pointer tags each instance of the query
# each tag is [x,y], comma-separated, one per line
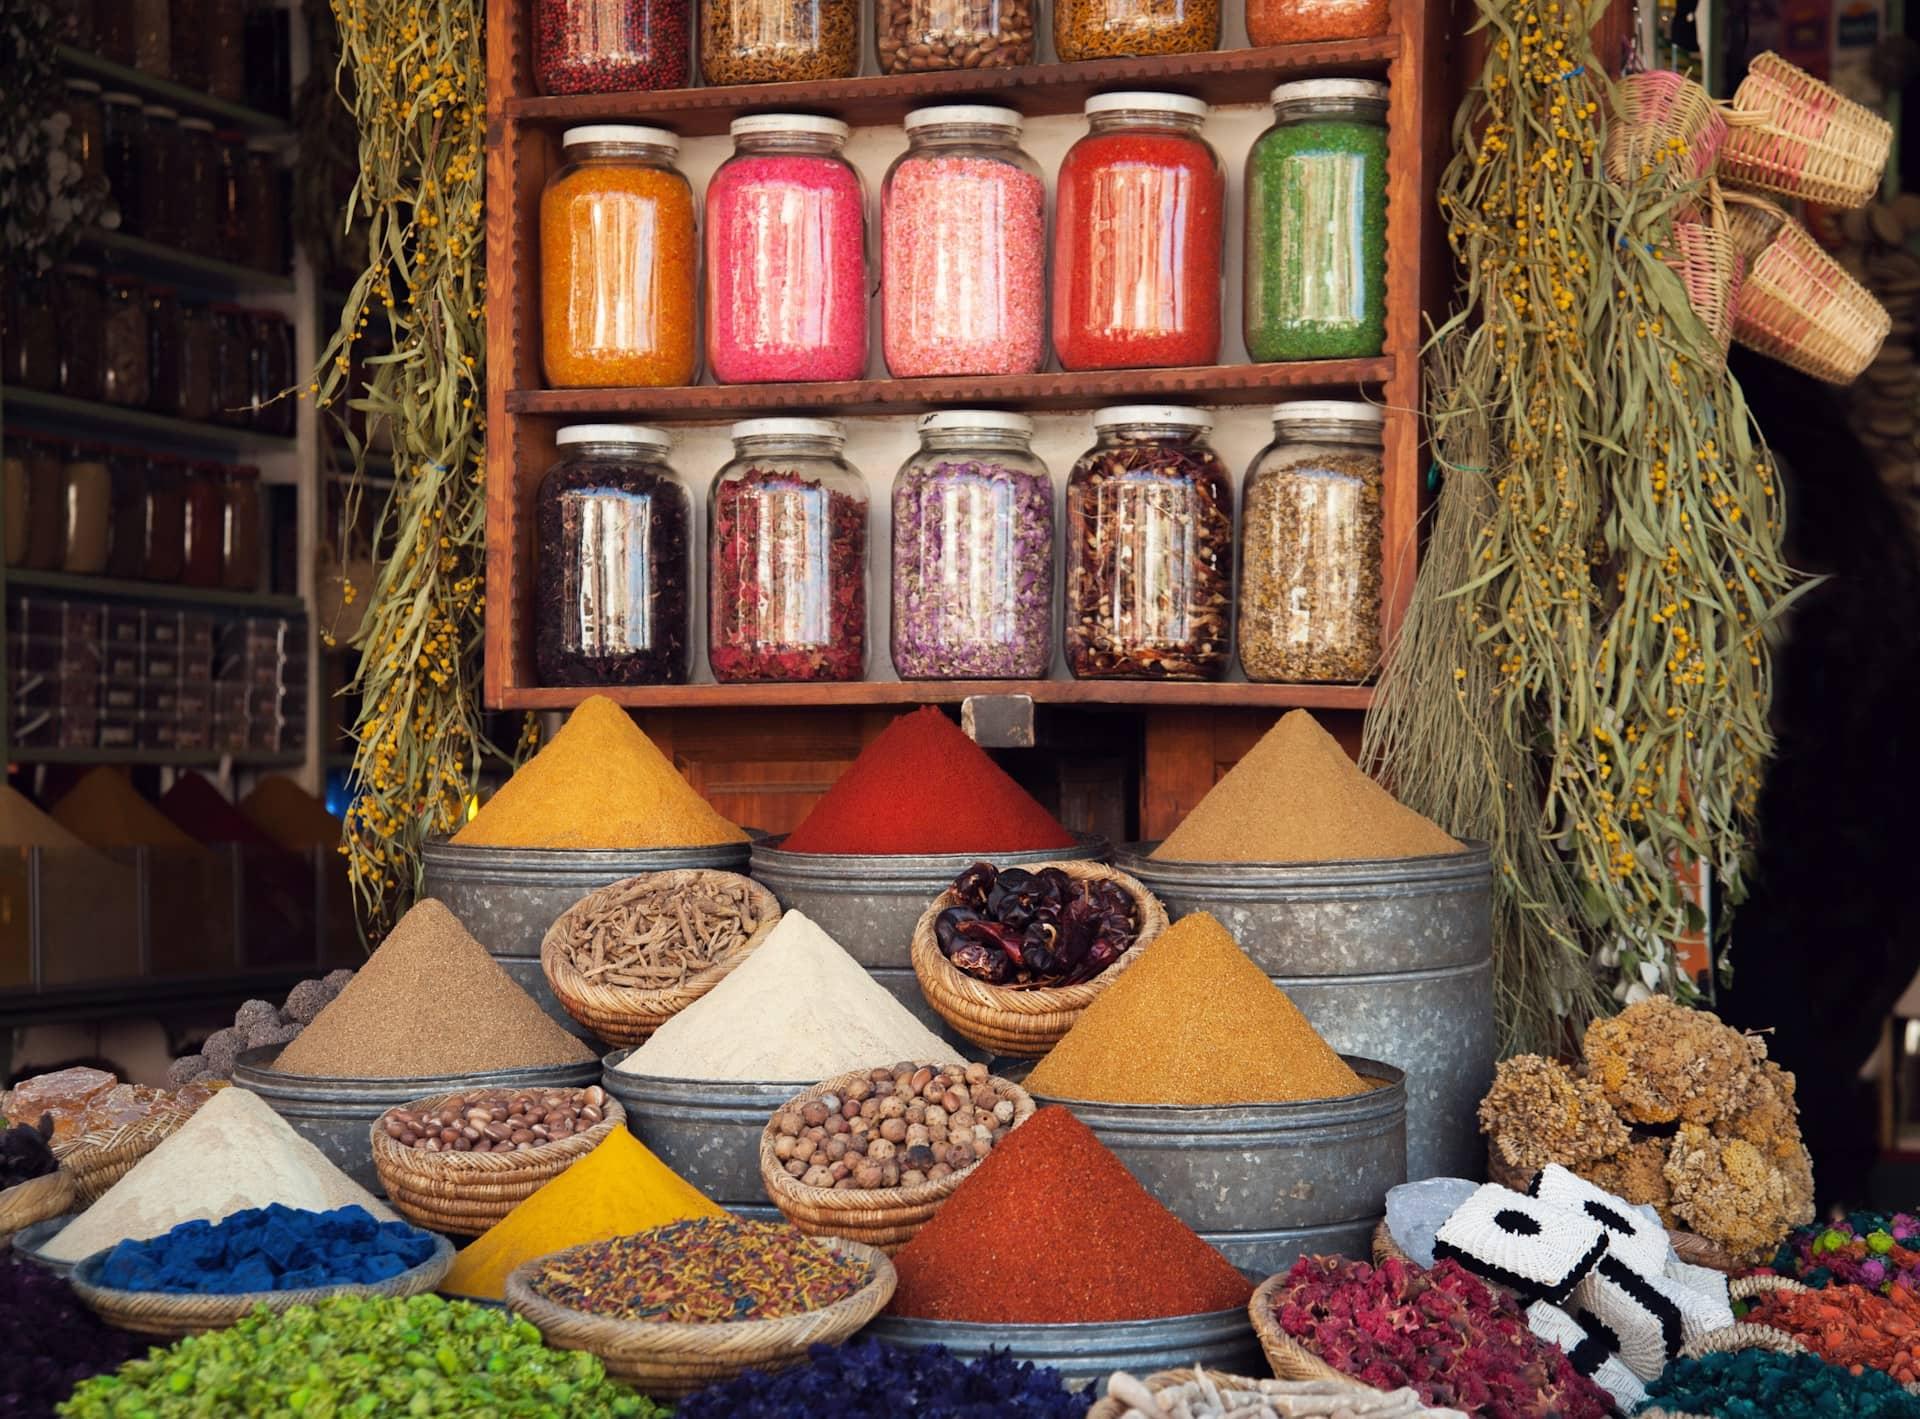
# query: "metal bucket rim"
[431,1083]
[912,865]
[1225,1320]
[445,854]
[1390,1096]
[1134,858]
[713,1088]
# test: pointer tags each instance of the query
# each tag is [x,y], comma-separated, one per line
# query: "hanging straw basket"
[1795,135]
[1664,123]
[1798,305]
[668,1359]
[1710,267]
[1689,1247]
[883,1218]
[37,1199]
[170,1315]
[1024,1023]
[626,1015]
[463,1194]
[1112,1408]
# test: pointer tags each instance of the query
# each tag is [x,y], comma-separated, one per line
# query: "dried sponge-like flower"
[1638,1172]
[1730,1192]
[1661,1062]
[1539,1112]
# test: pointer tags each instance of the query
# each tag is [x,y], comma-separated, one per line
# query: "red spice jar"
[787,556]
[611,46]
[1138,233]
[205,525]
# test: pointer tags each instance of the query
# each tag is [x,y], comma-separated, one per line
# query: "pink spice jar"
[963,247]
[786,255]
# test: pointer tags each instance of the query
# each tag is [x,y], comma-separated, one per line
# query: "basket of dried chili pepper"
[1010,956]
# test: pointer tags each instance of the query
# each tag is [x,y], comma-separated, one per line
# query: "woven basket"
[668,1359]
[1798,305]
[98,1160]
[1656,109]
[1689,1247]
[624,1015]
[171,1316]
[883,1218]
[1023,1023]
[463,1194]
[1794,134]
[1710,267]
[35,1200]
[1289,1359]
[1111,1408]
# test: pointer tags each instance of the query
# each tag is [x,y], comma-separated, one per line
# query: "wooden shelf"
[92,420]
[151,259]
[164,758]
[1218,76]
[1206,384]
[934,692]
[152,88]
[260,603]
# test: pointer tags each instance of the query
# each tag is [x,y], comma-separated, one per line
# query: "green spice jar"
[1316,245]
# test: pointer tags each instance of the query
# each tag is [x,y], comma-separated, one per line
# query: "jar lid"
[978,420]
[123,282]
[155,110]
[243,473]
[1115,415]
[621,133]
[1319,411]
[1140,102]
[979,115]
[791,428]
[788,123]
[1330,89]
[615,433]
[198,125]
[119,96]
[86,86]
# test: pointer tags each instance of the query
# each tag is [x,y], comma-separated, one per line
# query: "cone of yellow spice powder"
[598,783]
[617,1189]
[1193,1021]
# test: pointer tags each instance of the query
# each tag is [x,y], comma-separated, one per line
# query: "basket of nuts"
[871,1155]
[458,1163]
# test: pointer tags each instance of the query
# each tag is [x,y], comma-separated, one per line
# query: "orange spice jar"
[617,262]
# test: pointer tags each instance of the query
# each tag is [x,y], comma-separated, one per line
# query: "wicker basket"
[624,1015]
[1111,1408]
[1289,1359]
[1656,109]
[1023,1023]
[883,1218]
[1710,267]
[1796,135]
[171,1316]
[37,1199]
[98,1160]
[1798,305]
[1689,1247]
[668,1360]
[463,1194]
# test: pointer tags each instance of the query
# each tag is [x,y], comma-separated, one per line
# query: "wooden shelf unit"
[524,146]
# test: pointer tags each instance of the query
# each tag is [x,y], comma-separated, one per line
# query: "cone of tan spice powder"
[1297,797]
[429,1001]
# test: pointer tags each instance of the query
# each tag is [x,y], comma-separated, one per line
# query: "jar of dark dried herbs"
[973,551]
[1310,548]
[787,556]
[163,350]
[88,122]
[264,214]
[199,363]
[127,549]
[32,333]
[196,179]
[614,525]
[124,136]
[1316,248]
[80,308]
[123,341]
[1149,549]
[160,169]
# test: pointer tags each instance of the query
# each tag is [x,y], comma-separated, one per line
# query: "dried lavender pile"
[258,1023]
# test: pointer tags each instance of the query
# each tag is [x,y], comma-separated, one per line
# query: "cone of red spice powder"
[200,810]
[1051,1228]
[922,786]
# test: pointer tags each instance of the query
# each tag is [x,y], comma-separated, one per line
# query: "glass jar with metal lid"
[1118,29]
[87,502]
[88,123]
[161,166]
[611,46]
[1149,569]
[123,343]
[79,304]
[916,36]
[196,206]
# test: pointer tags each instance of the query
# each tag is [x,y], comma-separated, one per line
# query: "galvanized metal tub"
[1391,959]
[1267,1183]
[337,1115]
[706,1130]
[28,1241]
[1086,1354]
[507,897]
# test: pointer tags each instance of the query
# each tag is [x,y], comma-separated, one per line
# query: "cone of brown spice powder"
[429,1001]
[1297,797]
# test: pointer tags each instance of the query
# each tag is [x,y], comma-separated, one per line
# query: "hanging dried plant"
[46,198]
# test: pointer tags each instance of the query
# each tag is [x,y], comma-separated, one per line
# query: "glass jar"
[32,333]
[772,41]
[233,375]
[240,529]
[611,46]
[123,341]
[1118,29]
[199,363]
[787,556]
[190,43]
[973,552]
[161,167]
[124,126]
[1302,21]
[264,212]
[617,267]
[1149,550]
[267,53]
[14,511]
[164,336]
[914,36]
[1310,547]
[80,31]
[113,31]
[614,525]
[274,409]
[87,122]
[152,36]
[786,254]
[204,530]
[127,545]
[46,506]
[226,45]
[1138,228]
[87,505]
[230,195]
[79,305]
[963,247]
[166,519]
[196,209]
[1316,248]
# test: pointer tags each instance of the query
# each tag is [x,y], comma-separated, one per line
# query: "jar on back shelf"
[15,519]
[124,342]
[612,596]
[79,304]
[230,195]
[189,43]
[1316,248]
[787,556]
[161,165]
[241,528]
[963,247]
[611,46]
[233,366]
[1304,21]
[127,545]
[1310,547]
[617,262]
[113,31]
[1138,233]
[196,212]
[199,371]
[164,335]
[973,551]
[1118,29]
[1149,571]
[786,254]
[152,36]
[263,212]
[226,50]
[32,333]
[266,52]
[124,137]
[80,26]
[204,531]
[88,507]
[166,519]
[88,123]
[46,505]
[775,41]
[916,36]
[274,411]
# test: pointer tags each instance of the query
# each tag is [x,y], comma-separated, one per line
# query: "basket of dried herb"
[627,958]
[1010,956]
